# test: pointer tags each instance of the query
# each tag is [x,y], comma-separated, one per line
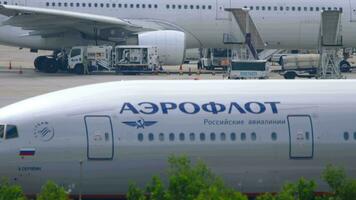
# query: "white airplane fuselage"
[256,135]
[281,23]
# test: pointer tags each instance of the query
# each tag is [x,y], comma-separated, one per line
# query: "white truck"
[248,69]
[124,59]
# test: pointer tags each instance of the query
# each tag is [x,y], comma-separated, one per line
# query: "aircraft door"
[353,10]
[301,137]
[221,14]
[100,143]
[19,2]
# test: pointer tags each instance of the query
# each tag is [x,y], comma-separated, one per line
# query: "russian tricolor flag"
[27,152]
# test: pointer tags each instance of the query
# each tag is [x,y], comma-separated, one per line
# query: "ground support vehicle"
[121,59]
[248,69]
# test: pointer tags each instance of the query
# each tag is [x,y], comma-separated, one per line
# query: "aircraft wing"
[51,22]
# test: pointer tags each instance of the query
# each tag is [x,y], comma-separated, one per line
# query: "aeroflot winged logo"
[191,108]
[141,123]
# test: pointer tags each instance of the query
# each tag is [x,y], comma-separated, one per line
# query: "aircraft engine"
[171,45]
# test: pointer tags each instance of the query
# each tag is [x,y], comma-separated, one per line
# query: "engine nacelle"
[171,45]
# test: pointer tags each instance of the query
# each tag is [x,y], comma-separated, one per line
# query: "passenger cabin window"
[274,136]
[11,132]
[150,137]
[253,136]
[202,137]
[307,135]
[212,136]
[181,137]
[171,137]
[243,136]
[222,136]
[192,136]
[346,136]
[233,136]
[140,137]
[354,135]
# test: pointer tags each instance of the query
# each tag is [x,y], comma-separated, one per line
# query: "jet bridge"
[330,43]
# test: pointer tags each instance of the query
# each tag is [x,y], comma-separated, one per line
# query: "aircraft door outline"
[301,137]
[352,11]
[100,138]
[221,14]
[19,2]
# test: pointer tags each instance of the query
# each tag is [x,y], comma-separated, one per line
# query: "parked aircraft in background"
[255,134]
[59,24]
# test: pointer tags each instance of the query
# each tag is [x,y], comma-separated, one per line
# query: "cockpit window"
[11,132]
[2,131]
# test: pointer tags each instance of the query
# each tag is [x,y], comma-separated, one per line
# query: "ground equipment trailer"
[216,58]
[299,65]
[123,59]
[248,69]
[136,59]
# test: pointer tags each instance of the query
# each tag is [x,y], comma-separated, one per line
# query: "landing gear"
[51,64]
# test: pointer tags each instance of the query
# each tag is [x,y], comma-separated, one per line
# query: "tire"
[79,69]
[40,63]
[345,66]
[51,66]
[290,75]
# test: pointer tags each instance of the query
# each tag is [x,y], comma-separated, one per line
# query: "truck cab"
[75,59]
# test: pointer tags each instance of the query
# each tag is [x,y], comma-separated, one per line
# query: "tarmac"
[21,81]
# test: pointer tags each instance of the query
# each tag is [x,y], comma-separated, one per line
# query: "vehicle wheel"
[62,65]
[345,66]
[40,63]
[79,69]
[51,66]
[290,75]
